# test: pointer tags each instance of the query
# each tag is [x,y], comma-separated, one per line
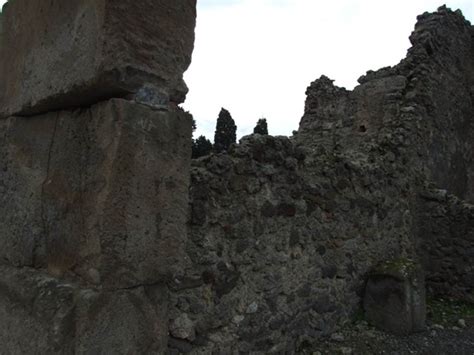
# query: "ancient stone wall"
[280,242]
[446,243]
[283,232]
[440,68]
[417,115]
[94,185]
[420,110]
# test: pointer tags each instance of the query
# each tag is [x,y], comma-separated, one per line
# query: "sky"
[257,57]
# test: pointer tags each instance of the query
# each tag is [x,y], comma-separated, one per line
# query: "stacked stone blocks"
[94,172]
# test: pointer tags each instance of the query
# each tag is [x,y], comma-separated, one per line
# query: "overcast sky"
[257,57]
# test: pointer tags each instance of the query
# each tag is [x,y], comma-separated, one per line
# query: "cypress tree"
[225,131]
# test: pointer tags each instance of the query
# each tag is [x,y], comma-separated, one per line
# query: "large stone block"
[395,298]
[55,54]
[42,315]
[100,192]
[24,152]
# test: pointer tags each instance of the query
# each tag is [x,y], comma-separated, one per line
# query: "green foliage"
[261,127]
[201,147]
[225,134]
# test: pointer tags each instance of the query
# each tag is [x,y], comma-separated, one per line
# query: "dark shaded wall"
[445,243]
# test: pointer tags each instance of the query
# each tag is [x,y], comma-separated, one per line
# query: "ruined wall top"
[59,54]
[420,110]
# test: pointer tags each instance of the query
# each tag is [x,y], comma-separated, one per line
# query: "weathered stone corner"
[80,52]
[94,181]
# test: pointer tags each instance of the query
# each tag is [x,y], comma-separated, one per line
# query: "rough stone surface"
[395,297]
[284,232]
[419,112]
[445,243]
[280,243]
[94,182]
[418,118]
[364,339]
[58,54]
[41,314]
[100,193]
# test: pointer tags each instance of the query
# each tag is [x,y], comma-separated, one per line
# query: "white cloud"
[256,57]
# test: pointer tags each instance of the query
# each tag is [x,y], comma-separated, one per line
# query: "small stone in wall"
[238,319]
[183,328]
[338,337]
[252,308]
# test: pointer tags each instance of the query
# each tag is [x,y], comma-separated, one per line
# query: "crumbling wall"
[284,231]
[441,91]
[440,68]
[420,110]
[94,185]
[418,115]
[280,242]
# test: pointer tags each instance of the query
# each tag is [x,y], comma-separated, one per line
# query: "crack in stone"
[48,165]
